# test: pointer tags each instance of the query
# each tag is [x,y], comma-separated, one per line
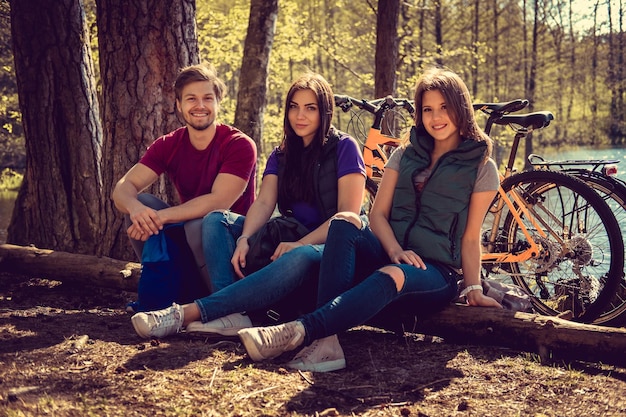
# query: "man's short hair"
[199,72]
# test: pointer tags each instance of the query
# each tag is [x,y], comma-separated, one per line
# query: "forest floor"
[71,351]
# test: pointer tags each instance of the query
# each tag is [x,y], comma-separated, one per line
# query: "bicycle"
[599,175]
[550,233]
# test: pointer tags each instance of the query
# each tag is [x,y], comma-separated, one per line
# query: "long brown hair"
[298,181]
[458,103]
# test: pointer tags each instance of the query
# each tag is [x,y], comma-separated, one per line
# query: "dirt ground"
[71,351]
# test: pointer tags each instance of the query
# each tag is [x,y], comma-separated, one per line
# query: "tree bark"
[387,44]
[143,44]
[549,337]
[552,338]
[58,203]
[252,94]
[70,267]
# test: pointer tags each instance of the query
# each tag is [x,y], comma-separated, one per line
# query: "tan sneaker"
[159,323]
[226,326]
[323,355]
[269,342]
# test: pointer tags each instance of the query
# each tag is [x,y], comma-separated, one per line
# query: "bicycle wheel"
[613,191]
[581,259]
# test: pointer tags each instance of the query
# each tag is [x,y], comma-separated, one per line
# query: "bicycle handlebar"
[376,107]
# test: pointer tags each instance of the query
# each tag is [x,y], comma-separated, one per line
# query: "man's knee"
[215,214]
[396,274]
[348,216]
[152,201]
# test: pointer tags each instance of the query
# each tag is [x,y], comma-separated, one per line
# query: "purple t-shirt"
[349,161]
[193,172]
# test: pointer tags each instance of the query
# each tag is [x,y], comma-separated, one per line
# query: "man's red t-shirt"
[193,172]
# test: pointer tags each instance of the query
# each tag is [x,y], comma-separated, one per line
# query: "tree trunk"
[252,94]
[550,337]
[58,204]
[531,87]
[475,51]
[143,44]
[386,56]
[438,33]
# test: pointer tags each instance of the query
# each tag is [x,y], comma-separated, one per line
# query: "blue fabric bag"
[168,272]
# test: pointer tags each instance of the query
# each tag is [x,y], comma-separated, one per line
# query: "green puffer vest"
[432,224]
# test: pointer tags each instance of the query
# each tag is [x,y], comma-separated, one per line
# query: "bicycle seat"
[502,108]
[530,121]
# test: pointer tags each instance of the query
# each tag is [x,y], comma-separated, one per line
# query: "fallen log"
[551,338]
[69,267]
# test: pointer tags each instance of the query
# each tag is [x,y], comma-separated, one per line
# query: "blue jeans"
[220,231]
[192,233]
[258,290]
[350,295]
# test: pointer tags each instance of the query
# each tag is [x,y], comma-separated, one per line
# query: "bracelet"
[241,237]
[467,290]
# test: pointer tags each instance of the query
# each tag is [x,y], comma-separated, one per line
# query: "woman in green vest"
[424,233]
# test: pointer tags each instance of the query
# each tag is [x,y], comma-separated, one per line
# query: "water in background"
[586,153]
[618,154]
[7,201]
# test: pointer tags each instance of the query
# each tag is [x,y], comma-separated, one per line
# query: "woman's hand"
[407,257]
[283,248]
[239,257]
[477,298]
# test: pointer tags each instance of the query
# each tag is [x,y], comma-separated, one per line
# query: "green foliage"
[12,147]
[10,180]
[337,38]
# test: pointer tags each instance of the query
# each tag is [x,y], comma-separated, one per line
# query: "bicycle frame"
[374,155]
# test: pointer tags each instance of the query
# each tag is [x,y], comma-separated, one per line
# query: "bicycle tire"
[580,275]
[613,191]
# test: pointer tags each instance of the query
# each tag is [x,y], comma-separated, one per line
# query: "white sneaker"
[323,355]
[270,342]
[226,326]
[159,323]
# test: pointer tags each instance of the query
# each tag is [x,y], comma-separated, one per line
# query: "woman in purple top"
[315,173]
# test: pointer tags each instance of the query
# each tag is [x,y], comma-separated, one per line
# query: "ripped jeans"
[352,289]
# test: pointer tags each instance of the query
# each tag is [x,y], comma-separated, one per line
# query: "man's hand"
[146,221]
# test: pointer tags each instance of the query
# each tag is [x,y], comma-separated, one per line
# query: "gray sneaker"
[269,342]
[226,326]
[159,323]
[323,355]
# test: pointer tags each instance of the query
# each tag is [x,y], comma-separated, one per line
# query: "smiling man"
[212,166]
